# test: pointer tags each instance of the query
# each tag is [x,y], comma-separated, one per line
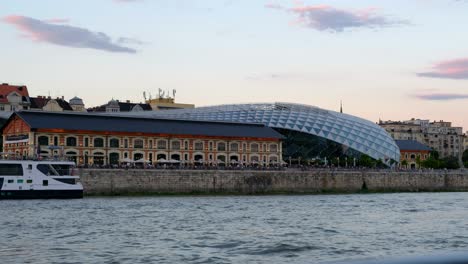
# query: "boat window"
[11,170]
[11,181]
[45,183]
[62,170]
[29,167]
[28,181]
[19,181]
[45,168]
[55,169]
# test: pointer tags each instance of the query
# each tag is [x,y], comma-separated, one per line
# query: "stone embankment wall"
[127,182]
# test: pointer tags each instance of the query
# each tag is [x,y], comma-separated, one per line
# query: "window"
[114,143]
[221,147]
[19,181]
[150,144]
[211,146]
[125,143]
[198,145]
[86,142]
[234,147]
[254,147]
[55,141]
[273,148]
[162,144]
[99,142]
[71,141]
[29,181]
[45,183]
[175,145]
[186,145]
[11,170]
[11,181]
[138,143]
[43,141]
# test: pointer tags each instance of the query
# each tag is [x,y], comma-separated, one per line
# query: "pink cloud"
[328,18]
[64,35]
[450,69]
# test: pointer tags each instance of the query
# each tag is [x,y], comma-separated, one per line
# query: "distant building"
[102,140]
[77,104]
[439,135]
[115,106]
[13,97]
[167,104]
[466,141]
[50,104]
[413,153]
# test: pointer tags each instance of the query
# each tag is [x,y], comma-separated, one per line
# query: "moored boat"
[38,179]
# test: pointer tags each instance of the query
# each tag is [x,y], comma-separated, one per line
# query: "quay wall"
[129,182]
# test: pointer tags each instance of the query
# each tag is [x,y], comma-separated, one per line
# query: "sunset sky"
[384,59]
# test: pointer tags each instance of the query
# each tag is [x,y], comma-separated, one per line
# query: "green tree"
[450,163]
[404,163]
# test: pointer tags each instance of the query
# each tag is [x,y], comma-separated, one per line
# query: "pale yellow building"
[167,104]
[438,135]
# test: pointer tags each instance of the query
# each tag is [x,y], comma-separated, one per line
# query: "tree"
[465,158]
[404,163]
[450,163]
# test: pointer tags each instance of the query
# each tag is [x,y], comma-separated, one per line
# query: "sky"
[388,60]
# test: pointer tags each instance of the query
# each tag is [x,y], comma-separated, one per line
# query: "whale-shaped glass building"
[352,133]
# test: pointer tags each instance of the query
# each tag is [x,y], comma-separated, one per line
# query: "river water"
[232,229]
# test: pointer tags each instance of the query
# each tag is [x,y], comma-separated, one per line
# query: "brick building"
[102,140]
[413,153]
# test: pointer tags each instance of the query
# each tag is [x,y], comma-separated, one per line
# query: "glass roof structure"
[359,134]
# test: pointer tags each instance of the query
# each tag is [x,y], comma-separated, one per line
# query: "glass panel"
[11,170]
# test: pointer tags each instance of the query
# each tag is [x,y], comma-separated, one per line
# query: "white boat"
[34,179]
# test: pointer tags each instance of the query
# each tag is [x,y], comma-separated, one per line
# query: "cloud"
[450,69]
[64,35]
[441,97]
[328,18]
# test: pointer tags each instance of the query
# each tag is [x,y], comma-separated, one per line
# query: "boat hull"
[40,194]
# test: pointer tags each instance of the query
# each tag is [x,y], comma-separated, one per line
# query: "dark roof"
[124,107]
[412,145]
[40,102]
[127,107]
[94,122]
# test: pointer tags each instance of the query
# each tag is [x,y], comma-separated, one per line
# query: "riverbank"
[153,182]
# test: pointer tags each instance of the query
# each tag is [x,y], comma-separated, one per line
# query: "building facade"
[355,136]
[100,140]
[438,135]
[412,153]
[13,98]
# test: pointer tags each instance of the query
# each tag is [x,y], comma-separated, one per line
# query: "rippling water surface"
[232,229]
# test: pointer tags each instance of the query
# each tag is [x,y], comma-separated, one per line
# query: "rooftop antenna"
[341,106]
[174,91]
[144,95]
[159,92]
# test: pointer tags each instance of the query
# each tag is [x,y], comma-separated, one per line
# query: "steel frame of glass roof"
[357,133]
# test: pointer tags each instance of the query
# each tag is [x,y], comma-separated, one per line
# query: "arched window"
[273,148]
[98,142]
[138,143]
[254,147]
[198,145]
[221,146]
[162,144]
[175,145]
[71,141]
[234,147]
[114,143]
[43,141]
